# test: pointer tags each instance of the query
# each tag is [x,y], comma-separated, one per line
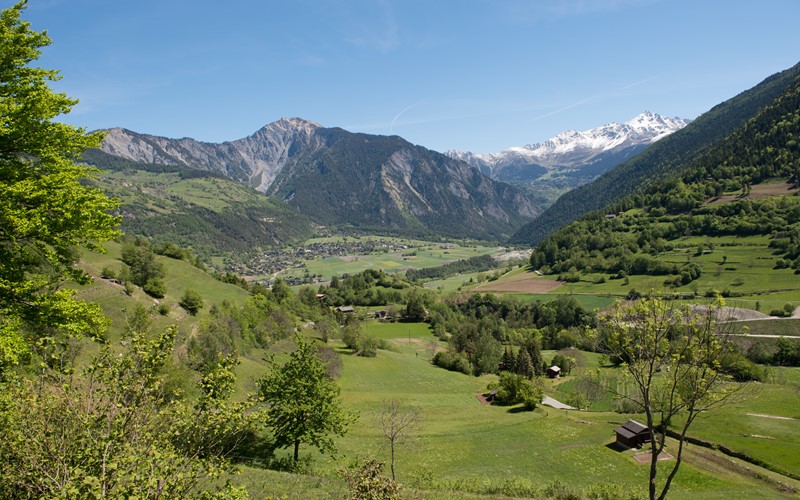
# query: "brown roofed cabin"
[553,372]
[632,434]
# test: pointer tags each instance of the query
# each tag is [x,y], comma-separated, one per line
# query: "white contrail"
[398,115]
[599,96]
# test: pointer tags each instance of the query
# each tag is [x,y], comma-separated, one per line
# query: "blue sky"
[479,75]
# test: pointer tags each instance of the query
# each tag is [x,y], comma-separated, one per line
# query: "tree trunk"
[393,478]
[296,451]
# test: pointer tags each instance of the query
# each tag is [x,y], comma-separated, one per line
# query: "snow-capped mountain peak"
[572,148]
[573,157]
[645,128]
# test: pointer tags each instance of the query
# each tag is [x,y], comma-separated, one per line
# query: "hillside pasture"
[464,447]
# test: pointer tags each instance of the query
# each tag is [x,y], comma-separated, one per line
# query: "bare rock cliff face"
[256,159]
[340,178]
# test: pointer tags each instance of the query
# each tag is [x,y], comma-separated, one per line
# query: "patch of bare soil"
[523,283]
[644,458]
[756,192]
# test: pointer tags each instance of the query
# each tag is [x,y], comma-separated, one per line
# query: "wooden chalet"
[553,372]
[632,434]
[347,309]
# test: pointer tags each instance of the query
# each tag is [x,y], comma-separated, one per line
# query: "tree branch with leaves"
[672,357]
[46,210]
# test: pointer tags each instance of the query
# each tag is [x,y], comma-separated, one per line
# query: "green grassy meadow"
[743,267]
[465,447]
[180,276]
[417,255]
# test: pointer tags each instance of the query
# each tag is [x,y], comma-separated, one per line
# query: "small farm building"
[553,372]
[632,434]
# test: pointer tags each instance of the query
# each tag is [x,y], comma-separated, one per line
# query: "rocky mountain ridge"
[336,177]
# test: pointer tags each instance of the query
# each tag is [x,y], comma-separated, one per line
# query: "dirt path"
[547,400]
[763,415]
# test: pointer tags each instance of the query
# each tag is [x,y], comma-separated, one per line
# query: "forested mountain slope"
[203,210]
[387,184]
[662,159]
[746,185]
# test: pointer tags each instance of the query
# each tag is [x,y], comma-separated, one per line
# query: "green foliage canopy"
[304,405]
[672,358]
[46,212]
[112,431]
[192,301]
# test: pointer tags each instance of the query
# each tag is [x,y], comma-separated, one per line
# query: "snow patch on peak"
[573,148]
[643,129]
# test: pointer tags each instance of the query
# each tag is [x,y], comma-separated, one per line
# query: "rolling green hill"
[197,209]
[663,158]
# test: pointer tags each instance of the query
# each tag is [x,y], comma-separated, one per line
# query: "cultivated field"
[521,283]
[758,191]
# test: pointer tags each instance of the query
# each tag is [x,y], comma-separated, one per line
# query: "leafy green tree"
[142,263]
[46,211]
[672,357]
[513,388]
[112,432]
[566,363]
[192,301]
[415,307]
[304,405]
[155,287]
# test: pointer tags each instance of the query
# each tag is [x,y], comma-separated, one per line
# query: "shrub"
[155,287]
[192,301]
[453,361]
[367,482]
[163,309]
[742,369]
[108,273]
[514,389]
[368,346]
